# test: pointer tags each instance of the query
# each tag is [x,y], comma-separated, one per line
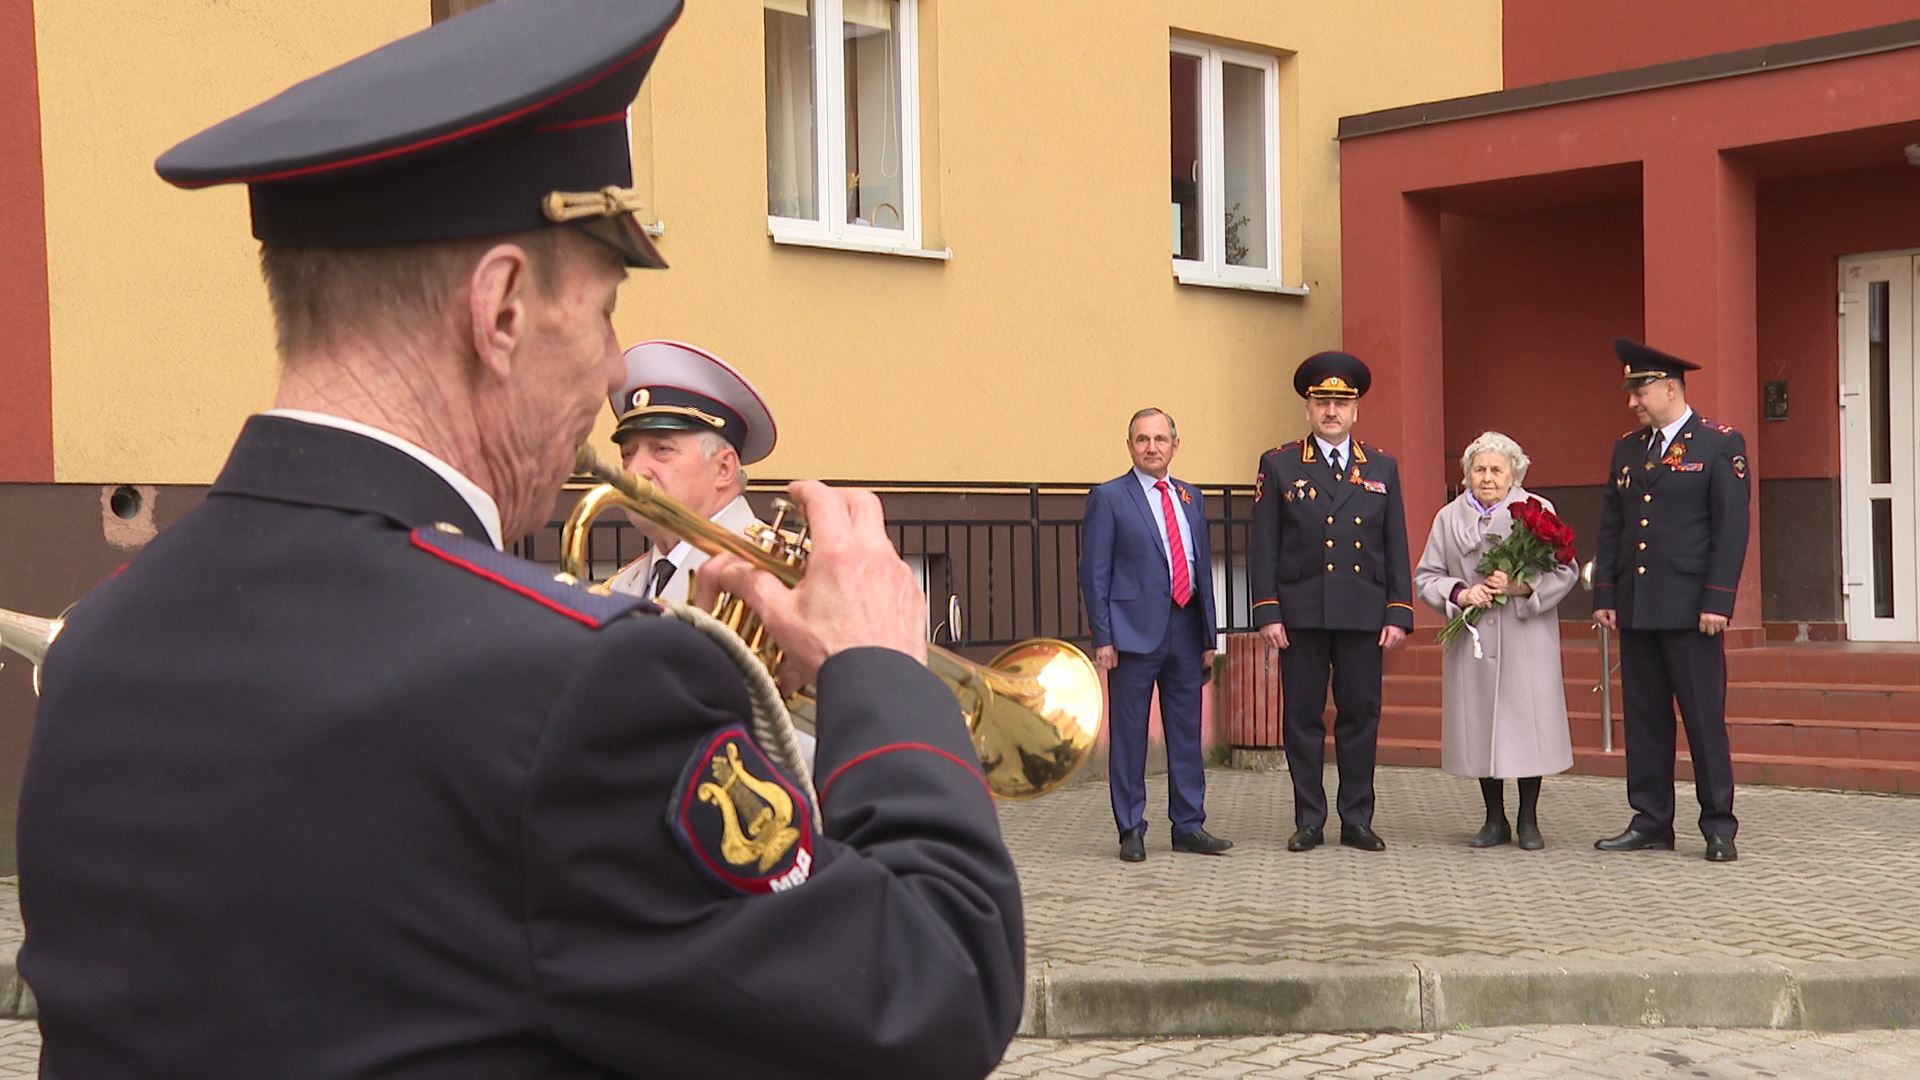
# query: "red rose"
[1564,555]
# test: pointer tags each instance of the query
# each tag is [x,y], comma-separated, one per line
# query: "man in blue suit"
[1146,574]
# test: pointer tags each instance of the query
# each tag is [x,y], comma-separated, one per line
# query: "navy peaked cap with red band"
[1332,374]
[1645,364]
[508,118]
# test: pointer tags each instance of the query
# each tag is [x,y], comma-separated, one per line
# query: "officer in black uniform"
[325,785]
[1331,589]
[1673,535]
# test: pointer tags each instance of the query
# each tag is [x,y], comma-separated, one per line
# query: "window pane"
[1243,108]
[1183,95]
[790,111]
[875,189]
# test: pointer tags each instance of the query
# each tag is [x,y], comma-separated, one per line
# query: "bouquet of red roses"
[1539,541]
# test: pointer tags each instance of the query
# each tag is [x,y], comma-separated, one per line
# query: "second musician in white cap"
[690,424]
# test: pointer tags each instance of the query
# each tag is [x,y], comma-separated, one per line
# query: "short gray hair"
[712,445]
[1173,429]
[1493,442]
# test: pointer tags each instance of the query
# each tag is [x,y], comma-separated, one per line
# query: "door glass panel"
[1879,384]
[1883,559]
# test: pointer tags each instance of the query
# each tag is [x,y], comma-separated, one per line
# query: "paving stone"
[1525,1053]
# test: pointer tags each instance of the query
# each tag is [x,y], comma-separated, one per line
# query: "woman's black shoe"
[1494,833]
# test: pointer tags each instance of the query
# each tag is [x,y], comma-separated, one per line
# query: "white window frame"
[830,149]
[1214,268]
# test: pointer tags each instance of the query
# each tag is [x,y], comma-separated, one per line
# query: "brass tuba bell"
[30,636]
[1034,711]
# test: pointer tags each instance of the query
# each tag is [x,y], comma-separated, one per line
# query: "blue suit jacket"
[1123,567]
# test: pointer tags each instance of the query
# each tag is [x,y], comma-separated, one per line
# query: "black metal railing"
[1009,552]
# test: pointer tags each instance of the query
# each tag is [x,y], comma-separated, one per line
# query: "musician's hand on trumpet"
[857,591]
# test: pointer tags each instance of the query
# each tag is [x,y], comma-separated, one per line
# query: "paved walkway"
[1500,1053]
[1827,886]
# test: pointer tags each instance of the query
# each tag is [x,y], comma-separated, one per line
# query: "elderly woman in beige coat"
[1503,712]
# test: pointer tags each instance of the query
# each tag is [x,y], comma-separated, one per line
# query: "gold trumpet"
[1034,711]
[30,636]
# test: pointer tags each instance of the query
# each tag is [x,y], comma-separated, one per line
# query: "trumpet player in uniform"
[324,784]
[690,424]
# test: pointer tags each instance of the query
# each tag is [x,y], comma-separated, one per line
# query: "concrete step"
[1863,704]
[1838,665]
[1791,770]
[1804,738]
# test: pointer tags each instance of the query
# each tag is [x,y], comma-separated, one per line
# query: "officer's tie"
[662,573]
[1182,580]
[1333,460]
[1653,448]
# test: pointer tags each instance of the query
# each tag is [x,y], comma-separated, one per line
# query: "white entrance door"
[1879,455]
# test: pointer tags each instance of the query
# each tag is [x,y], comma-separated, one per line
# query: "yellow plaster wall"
[1045,135]
[162,342]
[1058,315]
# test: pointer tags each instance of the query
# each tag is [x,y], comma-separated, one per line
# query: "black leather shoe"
[1359,836]
[1494,833]
[1305,838]
[1527,835]
[1721,849]
[1201,842]
[1634,840]
[1133,847]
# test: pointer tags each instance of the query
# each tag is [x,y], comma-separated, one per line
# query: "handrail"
[1605,686]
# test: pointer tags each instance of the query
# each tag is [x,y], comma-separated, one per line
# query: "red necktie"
[1182,584]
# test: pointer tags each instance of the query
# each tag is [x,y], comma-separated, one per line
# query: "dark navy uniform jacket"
[1673,537]
[314,792]
[1330,554]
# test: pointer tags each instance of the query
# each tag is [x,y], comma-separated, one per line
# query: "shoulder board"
[1286,449]
[558,593]
[1631,433]
[1715,425]
[1375,447]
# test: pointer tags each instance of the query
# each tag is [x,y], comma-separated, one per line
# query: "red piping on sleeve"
[891,747]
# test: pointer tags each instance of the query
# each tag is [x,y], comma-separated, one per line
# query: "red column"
[1390,290]
[1700,287]
[26,364]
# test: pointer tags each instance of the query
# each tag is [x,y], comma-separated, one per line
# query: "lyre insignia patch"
[742,823]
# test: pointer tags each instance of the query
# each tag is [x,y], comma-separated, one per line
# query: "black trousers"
[1657,669]
[1352,659]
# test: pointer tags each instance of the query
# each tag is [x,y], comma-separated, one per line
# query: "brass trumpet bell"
[1034,711]
[30,636]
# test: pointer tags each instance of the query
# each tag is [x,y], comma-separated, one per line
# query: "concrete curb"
[1066,1003]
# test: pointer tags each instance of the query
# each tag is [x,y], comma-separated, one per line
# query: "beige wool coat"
[1505,714]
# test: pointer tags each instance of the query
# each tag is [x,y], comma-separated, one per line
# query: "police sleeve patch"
[1740,466]
[742,824]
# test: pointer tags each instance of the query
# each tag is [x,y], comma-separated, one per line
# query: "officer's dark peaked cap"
[1332,374]
[508,118]
[1645,364]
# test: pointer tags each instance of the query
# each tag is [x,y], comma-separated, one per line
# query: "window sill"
[865,247]
[1207,281]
